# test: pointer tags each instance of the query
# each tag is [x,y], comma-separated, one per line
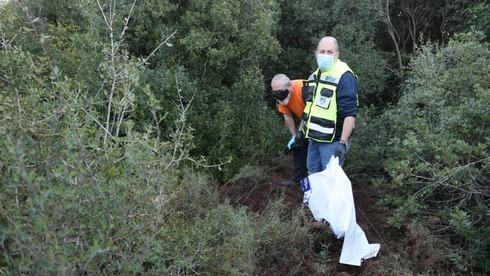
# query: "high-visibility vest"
[320,114]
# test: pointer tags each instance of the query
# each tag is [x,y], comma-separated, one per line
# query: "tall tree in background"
[299,26]
[411,23]
[218,49]
[355,28]
[302,24]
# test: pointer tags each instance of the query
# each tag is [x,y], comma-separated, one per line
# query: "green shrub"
[87,193]
[437,153]
[284,241]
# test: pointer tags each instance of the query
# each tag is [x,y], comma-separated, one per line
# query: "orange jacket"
[296,103]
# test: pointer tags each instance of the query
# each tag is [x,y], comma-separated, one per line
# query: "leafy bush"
[213,63]
[79,198]
[284,243]
[367,153]
[437,154]
[90,187]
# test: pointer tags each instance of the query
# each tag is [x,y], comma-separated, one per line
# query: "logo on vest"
[323,102]
[331,79]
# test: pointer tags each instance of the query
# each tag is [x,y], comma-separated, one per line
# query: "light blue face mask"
[325,62]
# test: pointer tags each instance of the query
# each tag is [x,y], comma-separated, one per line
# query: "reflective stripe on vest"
[320,114]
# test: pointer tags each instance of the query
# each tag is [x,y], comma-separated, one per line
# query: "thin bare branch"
[156,49]
[127,19]
[103,14]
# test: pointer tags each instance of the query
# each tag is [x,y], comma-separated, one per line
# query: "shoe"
[289,183]
[323,226]
[317,225]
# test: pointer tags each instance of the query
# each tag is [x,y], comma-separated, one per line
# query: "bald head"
[328,40]
[328,46]
[279,81]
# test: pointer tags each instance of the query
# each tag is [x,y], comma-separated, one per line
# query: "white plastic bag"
[328,194]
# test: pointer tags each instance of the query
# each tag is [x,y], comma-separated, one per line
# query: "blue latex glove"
[291,142]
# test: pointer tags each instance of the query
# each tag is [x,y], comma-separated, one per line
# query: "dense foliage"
[120,119]
[437,154]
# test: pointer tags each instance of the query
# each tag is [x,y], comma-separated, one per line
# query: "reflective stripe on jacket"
[320,114]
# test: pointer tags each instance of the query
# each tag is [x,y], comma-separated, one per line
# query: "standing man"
[331,107]
[288,94]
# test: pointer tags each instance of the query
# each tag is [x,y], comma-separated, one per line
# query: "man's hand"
[291,142]
[298,139]
[341,150]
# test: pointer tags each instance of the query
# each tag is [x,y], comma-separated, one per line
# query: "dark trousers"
[300,170]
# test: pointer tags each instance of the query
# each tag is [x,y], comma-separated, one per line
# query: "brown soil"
[256,193]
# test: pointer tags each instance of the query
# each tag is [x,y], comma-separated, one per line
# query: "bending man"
[288,94]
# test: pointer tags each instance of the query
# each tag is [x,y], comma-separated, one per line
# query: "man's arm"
[289,121]
[301,125]
[349,123]
[347,104]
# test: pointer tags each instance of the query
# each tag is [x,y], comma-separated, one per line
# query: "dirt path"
[256,193]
